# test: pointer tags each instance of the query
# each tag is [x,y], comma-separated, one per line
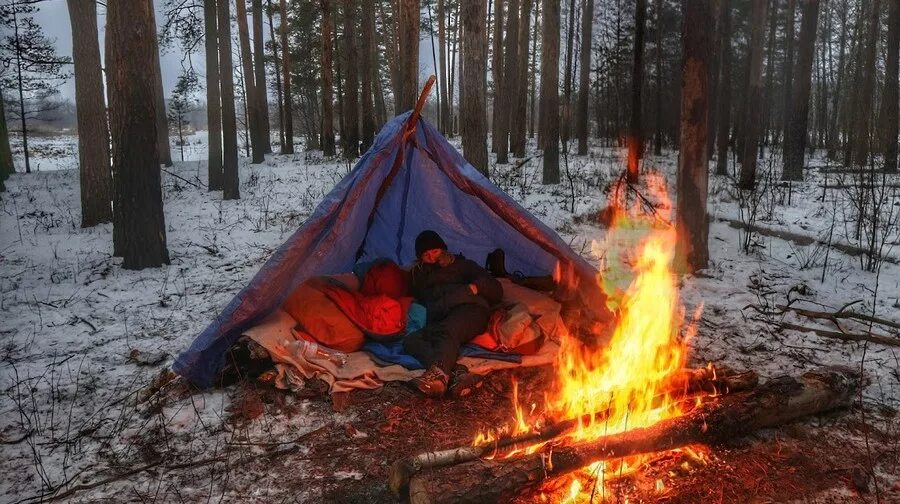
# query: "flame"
[623,377]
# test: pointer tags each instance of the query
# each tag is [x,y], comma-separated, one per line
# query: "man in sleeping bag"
[458,295]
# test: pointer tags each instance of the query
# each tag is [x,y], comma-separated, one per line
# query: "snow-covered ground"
[80,337]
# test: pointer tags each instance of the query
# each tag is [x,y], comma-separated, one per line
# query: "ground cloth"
[359,371]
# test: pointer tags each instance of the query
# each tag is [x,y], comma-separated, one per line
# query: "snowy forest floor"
[84,344]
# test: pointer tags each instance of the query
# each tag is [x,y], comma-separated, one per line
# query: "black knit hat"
[428,240]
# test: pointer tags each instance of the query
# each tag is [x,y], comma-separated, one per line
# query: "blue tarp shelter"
[376,211]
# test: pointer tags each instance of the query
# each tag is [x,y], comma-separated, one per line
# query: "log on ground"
[779,401]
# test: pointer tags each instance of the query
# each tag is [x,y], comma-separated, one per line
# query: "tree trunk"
[213,102]
[657,138]
[276,63]
[768,87]
[130,44]
[90,105]
[230,176]
[519,117]
[863,125]
[533,73]
[6,159]
[473,127]
[288,146]
[833,130]
[496,73]
[262,90]
[692,220]
[713,75]
[457,31]
[724,100]
[795,133]
[339,83]
[351,85]
[162,123]
[328,148]
[587,25]
[889,101]
[442,66]
[775,403]
[550,90]
[508,93]
[368,73]
[635,135]
[788,107]
[754,95]
[408,83]
[22,117]
[566,111]
[252,102]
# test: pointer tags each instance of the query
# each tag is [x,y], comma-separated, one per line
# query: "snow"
[71,316]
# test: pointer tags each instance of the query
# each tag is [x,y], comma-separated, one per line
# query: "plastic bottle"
[312,350]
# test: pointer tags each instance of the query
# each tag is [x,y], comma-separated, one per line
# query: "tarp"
[433,188]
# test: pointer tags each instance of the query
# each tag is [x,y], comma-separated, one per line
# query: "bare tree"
[752,122]
[213,101]
[474,69]
[130,44]
[692,220]
[587,25]
[408,84]
[259,66]
[889,101]
[230,177]
[93,131]
[550,90]
[350,139]
[288,146]
[795,133]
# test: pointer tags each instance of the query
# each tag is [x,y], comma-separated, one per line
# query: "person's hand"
[473,288]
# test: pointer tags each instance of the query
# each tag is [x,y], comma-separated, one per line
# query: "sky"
[53,17]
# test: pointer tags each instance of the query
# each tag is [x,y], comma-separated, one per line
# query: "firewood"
[685,383]
[779,401]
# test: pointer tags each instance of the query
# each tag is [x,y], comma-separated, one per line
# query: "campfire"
[631,377]
[621,392]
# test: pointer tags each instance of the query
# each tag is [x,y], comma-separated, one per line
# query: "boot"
[496,263]
[432,383]
[462,382]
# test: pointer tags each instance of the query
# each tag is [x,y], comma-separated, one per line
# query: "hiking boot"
[462,382]
[496,263]
[432,383]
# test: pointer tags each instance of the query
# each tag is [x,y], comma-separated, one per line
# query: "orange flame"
[621,378]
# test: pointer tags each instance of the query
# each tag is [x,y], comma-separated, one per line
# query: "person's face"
[431,256]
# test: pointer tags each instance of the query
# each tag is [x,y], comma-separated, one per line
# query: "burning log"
[774,403]
[687,382]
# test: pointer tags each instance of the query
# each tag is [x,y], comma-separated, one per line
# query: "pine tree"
[635,132]
[550,90]
[350,137]
[519,120]
[230,177]
[724,100]
[93,131]
[213,101]
[130,44]
[288,146]
[587,25]
[259,67]
[796,131]
[6,160]
[692,220]
[408,61]
[328,147]
[368,68]
[474,69]
[162,125]
[509,87]
[889,101]
[752,122]
[251,101]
